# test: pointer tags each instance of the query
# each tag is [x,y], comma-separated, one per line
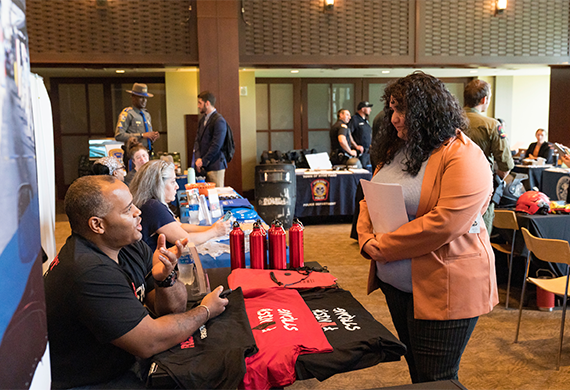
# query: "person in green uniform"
[488,134]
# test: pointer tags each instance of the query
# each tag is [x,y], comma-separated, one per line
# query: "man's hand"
[198,164]
[565,159]
[164,260]
[152,135]
[352,152]
[373,249]
[360,148]
[502,174]
[222,227]
[213,302]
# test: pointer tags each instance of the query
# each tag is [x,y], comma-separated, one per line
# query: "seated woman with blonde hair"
[153,187]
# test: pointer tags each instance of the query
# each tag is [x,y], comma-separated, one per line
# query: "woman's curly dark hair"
[432,115]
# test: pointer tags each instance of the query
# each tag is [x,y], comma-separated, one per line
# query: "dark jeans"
[434,347]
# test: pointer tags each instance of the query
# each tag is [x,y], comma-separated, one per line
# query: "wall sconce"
[329,5]
[500,7]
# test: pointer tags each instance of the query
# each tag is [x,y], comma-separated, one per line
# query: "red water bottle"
[237,247]
[296,245]
[269,261]
[277,246]
[264,232]
[257,251]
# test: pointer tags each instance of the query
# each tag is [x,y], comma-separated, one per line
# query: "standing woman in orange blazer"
[438,270]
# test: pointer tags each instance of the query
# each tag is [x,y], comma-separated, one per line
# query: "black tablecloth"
[555,226]
[555,185]
[323,195]
[534,176]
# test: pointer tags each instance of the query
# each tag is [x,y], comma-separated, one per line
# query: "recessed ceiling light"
[294,71]
[473,71]
[120,71]
[385,71]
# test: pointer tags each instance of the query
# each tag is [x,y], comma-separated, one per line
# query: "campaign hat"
[140,90]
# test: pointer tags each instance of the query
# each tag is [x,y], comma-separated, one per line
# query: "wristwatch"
[169,281]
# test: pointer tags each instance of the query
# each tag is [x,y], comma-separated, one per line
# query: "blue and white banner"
[23,330]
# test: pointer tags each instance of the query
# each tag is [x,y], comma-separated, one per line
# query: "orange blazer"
[453,271]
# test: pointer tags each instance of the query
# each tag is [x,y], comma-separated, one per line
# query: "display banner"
[23,330]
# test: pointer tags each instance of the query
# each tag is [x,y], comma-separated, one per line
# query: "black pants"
[434,347]
[357,198]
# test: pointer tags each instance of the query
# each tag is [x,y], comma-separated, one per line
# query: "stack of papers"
[385,205]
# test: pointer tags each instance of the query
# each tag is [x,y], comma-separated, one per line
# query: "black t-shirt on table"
[90,301]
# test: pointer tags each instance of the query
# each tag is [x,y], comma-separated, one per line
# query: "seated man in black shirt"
[96,286]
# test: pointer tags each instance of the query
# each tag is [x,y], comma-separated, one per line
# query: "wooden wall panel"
[218,48]
[300,32]
[559,118]
[112,32]
[468,32]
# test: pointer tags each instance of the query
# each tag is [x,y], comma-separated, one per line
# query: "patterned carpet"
[491,359]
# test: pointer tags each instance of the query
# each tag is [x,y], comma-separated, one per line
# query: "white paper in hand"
[385,205]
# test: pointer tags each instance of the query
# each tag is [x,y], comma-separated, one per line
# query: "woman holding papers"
[437,271]
[153,187]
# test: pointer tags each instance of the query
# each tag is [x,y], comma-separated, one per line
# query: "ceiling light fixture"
[329,5]
[120,71]
[500,7]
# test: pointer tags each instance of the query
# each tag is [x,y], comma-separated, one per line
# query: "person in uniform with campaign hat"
[135,121]
[361,130]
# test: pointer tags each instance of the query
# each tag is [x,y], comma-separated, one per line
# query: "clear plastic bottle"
[186,267]
[193,207]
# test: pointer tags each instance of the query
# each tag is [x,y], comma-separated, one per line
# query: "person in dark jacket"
[212,129]
[361,130]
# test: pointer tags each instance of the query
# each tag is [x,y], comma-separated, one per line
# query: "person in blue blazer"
[212,129]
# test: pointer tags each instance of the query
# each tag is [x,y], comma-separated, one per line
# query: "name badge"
[476,227]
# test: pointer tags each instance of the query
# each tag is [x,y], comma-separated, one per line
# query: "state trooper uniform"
[134,122]
[131,124]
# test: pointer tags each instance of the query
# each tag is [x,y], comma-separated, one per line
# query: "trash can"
[544,299]
[276,192]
